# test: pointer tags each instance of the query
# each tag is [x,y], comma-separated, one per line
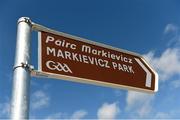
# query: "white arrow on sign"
[148,74]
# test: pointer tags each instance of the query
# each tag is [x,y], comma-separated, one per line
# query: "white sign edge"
[156,75]
[39,52]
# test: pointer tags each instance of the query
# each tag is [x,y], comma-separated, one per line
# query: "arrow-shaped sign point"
[148,74]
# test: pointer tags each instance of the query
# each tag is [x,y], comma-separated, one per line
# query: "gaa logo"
[58,66]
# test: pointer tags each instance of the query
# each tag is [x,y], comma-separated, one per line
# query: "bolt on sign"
[68,57]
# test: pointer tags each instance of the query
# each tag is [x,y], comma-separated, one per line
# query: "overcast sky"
[148,27]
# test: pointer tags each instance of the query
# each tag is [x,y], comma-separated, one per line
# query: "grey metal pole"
[21,78]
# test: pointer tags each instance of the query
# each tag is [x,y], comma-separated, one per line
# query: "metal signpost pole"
[21,78]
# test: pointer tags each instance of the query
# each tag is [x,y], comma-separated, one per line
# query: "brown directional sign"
[67,57]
